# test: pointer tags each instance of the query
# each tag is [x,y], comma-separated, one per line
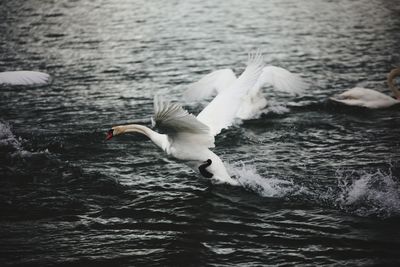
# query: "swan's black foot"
[203,169]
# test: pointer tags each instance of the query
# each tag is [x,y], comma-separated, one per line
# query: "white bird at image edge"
[24,77]
[368,98]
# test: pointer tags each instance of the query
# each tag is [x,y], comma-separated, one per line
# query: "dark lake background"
[321,181]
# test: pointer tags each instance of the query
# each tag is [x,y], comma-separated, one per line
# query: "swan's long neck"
[161,140]
[391,81]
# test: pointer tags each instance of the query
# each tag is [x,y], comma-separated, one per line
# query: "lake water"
[321,181]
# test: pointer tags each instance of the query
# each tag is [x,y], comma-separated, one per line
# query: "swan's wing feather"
[214,82]
[282,80]
[24,78]
[221,112]
[180,125]
[171,117]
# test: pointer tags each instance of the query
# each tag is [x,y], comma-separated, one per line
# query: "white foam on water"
[369,193]
[276,107]
[267,187]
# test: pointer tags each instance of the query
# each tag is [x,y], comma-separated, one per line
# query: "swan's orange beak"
[109,134]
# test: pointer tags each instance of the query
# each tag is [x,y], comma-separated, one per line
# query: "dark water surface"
[321,182]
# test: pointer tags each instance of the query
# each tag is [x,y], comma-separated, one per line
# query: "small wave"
[369,193]
[38,184]
[266,187]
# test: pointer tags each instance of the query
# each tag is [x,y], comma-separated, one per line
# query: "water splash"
[267,187]
[19,165]
[12,145]
[362,193]
[368,193]
[8,139]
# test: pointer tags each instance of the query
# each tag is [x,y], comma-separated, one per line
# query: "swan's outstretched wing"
[179,125]
[24,78]
[281,79]
[211,84]
[222,110]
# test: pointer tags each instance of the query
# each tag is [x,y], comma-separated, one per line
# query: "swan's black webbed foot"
[203,169]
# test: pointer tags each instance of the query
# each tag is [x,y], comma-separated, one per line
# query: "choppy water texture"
[321,182]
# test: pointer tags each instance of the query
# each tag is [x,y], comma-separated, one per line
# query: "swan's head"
[394,83]
[109,134]
[114,131]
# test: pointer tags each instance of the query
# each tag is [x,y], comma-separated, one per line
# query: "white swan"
[252,104]
[188,138]
[24,78]
[363,97]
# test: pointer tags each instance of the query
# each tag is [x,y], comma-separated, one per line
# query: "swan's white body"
[188,138]
[368,98]
[363,97]
[24,78]
[253,102]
